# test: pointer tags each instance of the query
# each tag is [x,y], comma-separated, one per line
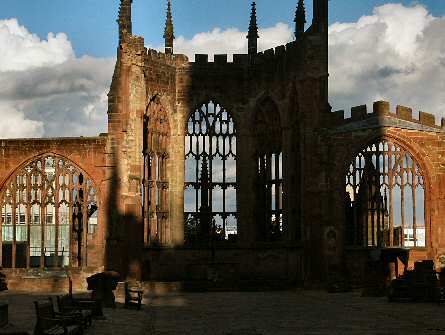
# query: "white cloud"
[45,90]
[231,41]
[22,50]
[396,54]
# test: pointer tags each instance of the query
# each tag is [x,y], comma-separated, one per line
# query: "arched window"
[156,138]
[210,174]
[385,199]
[269,181]
[44,209]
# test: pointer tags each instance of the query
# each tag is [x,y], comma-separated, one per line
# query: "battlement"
[170,59]
[269,55]
[381,109]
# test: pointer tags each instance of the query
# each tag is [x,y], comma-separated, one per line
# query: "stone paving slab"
[253,313]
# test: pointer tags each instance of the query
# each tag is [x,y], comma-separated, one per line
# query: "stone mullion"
[14,221]
[268,178]
[84,209]
[1,227]
[277,189]
[29,219]
[146,199]
[402,198]
[70,187]
[42,217]
[414,199]
[56,209]
[153,227]
[391,195]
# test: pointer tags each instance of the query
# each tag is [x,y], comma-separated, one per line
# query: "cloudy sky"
[57,57]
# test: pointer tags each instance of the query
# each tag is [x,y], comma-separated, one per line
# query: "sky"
[57,56]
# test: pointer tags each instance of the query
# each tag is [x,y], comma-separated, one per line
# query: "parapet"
[267,56]
[381,110]
[169,59]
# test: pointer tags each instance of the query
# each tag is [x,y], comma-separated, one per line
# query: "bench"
[67,308]
[49,324]
[94,305]
[133,294]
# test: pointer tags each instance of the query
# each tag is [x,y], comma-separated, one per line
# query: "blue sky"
[56,84]
[91,24]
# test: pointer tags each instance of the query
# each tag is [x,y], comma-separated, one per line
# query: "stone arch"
[156,146]
[210,173]
[267,129]
[47,203]
[268,182]
[387,195]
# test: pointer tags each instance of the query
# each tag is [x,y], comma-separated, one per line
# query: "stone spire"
[169,31]
[252,36]
[300,19]
[320,19]
[124,20]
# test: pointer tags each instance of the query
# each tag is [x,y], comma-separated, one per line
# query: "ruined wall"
[89,154]
[421,137]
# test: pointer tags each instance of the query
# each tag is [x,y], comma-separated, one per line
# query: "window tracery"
[385,201]
[210,174]
[269,182]
[37,213]
[156,139]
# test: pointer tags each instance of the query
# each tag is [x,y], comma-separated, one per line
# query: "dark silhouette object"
[3,283]
[421,284]
[48,324]
[95,306]
[67,308]
[133,294]
[103,284]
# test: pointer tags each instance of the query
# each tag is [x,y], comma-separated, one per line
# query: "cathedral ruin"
[226,171]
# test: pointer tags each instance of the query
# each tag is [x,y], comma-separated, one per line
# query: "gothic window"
[37,207]
[385,198]
[210,174]
[269,174]
[156,138]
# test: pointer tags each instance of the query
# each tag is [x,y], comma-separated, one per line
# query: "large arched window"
[269,181]
[45,206]
[156,139]
[385,202]
[210,174]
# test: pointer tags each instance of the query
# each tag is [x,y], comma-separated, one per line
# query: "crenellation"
[201,58]
[427,119]
[404,113]
[220,59]
[359,112]
[380,108]
[242,59]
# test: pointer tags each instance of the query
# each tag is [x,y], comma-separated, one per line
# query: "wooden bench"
[67,308]
[133,294]
[48,324]
[95,306]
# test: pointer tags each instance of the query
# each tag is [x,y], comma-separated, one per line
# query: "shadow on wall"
[124,232]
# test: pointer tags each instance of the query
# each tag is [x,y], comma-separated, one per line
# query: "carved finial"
[169,35]
[253,36]
[300,19]
[320,18]
[124,20]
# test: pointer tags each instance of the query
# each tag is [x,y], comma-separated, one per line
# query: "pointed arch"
[267,136]
[210,173]
[155,196]
[45,204]
[386,197]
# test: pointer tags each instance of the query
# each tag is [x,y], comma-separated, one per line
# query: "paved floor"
[255,313]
